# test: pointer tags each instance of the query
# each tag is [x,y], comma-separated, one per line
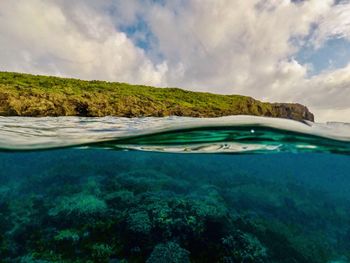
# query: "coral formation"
[79,205]
[169,252]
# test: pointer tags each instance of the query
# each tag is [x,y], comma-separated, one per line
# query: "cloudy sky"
[273,50]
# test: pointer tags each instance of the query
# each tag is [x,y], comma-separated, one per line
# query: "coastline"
[40,96]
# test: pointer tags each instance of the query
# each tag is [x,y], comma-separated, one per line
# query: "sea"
[174,190]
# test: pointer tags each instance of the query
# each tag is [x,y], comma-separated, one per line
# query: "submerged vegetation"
[106,206]
[29,95]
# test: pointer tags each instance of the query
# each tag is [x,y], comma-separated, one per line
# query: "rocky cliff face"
[293,111]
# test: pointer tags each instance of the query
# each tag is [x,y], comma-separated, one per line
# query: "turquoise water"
[242,189]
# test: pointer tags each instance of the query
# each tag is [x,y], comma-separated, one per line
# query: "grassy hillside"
[29,95]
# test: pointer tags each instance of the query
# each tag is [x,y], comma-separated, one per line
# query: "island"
[38,96]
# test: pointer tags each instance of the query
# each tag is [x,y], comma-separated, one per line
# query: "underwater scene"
[232,189]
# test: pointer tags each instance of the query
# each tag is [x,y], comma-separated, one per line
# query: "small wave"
[232,134]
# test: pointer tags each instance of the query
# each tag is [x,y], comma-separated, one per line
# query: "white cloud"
[328,94]
[55,37]
[223,46]
[231,46]
[334,24]
[330,115]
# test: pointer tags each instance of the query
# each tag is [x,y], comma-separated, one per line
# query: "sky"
[272,50]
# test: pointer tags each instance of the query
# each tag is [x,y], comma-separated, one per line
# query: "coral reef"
[106,206]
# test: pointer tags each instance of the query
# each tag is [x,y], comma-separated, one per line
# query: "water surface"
[78,190]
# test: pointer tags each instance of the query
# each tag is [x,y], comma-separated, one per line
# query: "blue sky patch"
[334,54]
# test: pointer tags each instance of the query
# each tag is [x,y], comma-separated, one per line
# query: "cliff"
[29,95]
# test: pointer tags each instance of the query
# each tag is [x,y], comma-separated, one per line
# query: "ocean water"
[232,189]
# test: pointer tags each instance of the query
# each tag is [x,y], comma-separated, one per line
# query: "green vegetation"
[29,95]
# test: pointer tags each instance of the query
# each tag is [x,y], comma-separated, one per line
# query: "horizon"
[276,51]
